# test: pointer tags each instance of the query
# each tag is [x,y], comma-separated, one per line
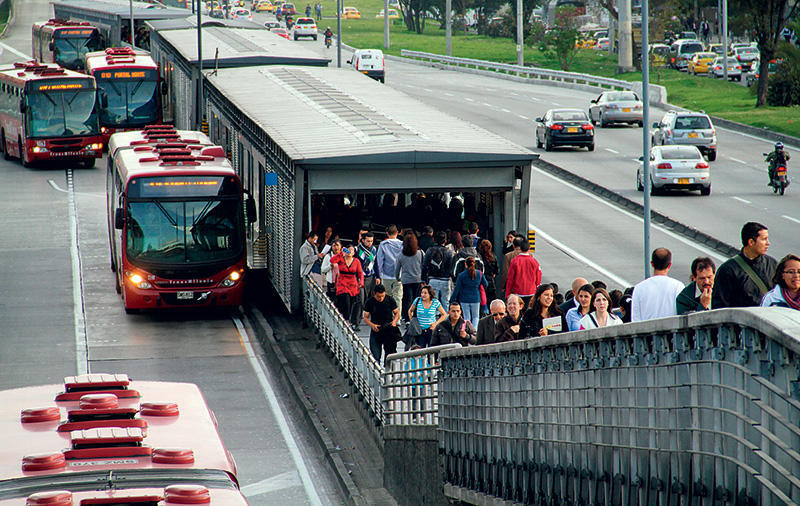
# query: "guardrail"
[527,72]
[410,386]
[696,409]
[349,352]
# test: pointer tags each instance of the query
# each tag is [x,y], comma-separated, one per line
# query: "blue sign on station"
[270,179]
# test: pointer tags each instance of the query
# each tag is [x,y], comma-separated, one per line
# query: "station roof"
[191,22]
[327,118]
[121,9]
[238,47]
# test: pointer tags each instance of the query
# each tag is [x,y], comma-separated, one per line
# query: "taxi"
[350,13]
[700,62]
[264,6]
[393,14]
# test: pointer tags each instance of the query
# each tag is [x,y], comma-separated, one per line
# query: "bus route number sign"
[62,86]
[124,74]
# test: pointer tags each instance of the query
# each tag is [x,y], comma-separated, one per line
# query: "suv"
[681,51]
[687,128]
[304,27]
[288,10]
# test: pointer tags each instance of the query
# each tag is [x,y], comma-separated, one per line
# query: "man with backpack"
[436,268]
[459,261]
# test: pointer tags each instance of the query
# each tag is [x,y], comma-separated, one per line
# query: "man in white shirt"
[655,296]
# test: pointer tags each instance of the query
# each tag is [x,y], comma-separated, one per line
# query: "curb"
[638,209]
[277,360]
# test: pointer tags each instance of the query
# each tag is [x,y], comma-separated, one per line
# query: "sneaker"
[356,328]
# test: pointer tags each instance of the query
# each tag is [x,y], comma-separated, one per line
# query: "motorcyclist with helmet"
[778,157]
[328,35]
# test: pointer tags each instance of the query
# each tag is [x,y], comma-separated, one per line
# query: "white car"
[676,168]
[369,62]
[240,13]
[734,68]
[304,27]
[602,44]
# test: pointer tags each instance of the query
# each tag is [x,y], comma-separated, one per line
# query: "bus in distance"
[47,113]
[65,42]
[176,222]
[128,89]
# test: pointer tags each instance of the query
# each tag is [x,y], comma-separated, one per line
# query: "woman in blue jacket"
[467,291]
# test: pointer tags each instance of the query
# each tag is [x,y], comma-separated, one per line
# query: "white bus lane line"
[612,151]
[78,310]
[738,161]
[741,200]
[791,219]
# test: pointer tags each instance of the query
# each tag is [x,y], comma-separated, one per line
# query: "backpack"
[461,265]
[438,263]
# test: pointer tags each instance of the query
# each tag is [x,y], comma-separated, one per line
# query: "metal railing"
[696,409]
[410,391]
[349,352]
[520,71]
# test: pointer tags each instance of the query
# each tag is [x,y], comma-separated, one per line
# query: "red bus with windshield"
[104,439]
[128,89]
[65,42]
[176,218]
[48,113]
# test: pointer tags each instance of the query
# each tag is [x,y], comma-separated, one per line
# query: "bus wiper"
[163,210]
[136,88]
[116,90]
[47,96]
[203,213]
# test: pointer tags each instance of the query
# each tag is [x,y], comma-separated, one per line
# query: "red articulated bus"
[65,42]
[48,113]
[128,88]
[176,218]
[160,136]
[104,439]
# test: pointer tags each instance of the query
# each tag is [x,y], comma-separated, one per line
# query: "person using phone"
[454,329]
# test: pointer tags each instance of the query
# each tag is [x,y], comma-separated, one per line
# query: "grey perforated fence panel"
[704,414]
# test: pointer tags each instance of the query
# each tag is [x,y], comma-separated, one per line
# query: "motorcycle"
[328,42]
[779,180]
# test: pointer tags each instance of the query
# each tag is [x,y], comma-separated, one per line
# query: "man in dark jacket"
[460,258]
[487,324]
[734,286]
[453,329]
[697,294]
[436,268]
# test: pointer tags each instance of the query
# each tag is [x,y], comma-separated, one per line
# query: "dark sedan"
[564,127]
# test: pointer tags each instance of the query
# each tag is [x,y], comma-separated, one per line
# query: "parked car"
[753,76]
[746,56]
[564,127]
[700,62]
[734,69]
[681,51]
[282,32]
[304,27]
[675,168]
[617,107]
[393,14]
[689,129]
[272,24]
[350,13]
[370,62]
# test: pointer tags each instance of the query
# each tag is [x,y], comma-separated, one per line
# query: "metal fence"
[697,409]
[349,352]
[410,386]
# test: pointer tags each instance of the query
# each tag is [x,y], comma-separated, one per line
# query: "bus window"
[131,102]
[61,113]
[70,52]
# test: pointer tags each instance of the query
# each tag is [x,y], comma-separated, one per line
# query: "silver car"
[617,107]
[746,56]
[687,128]
[676,168]
[734,69]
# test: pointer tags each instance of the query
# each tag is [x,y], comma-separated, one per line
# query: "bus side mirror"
[164,88]
[22,106]
[103,100]
[250,210]
[119,219]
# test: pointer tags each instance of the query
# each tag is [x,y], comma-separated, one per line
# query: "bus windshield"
[131,102]
[174,233]
[61,113]
[70,52]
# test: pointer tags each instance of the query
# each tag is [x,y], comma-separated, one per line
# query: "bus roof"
[119,9]
[101,422]
[56,24]
[117,58]
[156,135]
[21,72]
[147,160]
[174,493]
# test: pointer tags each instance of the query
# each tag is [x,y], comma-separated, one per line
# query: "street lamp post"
[646,131]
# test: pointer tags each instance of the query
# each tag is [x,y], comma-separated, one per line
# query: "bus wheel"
[117,284]
[89,163]
[4,146]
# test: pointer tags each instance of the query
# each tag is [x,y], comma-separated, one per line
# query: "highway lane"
[60,315]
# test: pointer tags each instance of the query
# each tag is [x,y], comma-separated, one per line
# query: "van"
[681,51]
[369,62]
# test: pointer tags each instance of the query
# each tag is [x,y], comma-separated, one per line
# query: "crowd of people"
[448,287]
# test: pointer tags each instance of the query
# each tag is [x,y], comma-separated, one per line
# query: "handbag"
[483,293]
[414,328]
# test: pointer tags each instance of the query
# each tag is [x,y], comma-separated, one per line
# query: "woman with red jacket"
[348,284]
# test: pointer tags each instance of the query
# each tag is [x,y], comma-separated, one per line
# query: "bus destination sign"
[75,32]
[78,84]
[181,186]
[128,74]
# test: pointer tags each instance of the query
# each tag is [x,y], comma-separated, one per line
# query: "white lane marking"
[282,481]
[737,160]
[741,200]
[707,252]
[9,48]
[487,105]
[505,110]
[491,90]
[449,94]
[55,186]
[78,316]
[514,94]
[523,117]
[468,99]
[534,98]
[612,151]
[428,90]
[571,252]
[266,386]
[791,219]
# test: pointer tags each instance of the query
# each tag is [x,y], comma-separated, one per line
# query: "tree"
[414,12]
[767,19]
[561,39]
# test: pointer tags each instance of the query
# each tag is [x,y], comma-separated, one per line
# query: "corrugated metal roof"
[191,22]
[239,47]
[121,8]
[326,117]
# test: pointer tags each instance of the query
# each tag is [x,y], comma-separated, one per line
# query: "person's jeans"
[424,339]
[410,292]
[442,289]
[363,296]
[394,289]
[472,312]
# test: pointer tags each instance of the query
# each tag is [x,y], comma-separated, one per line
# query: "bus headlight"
[139,281]
[39,149]
[232,278]
[94,147]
